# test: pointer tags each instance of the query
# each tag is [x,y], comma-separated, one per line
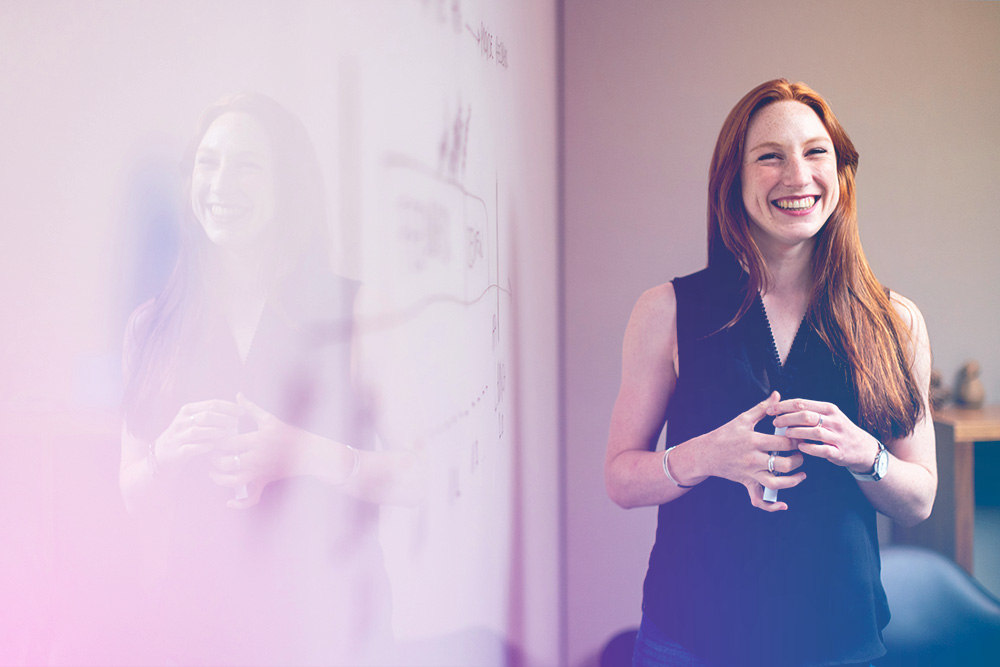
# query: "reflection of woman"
[245,441]
[787,304]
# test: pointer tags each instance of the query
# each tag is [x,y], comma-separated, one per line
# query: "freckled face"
[789,175]
[232,184]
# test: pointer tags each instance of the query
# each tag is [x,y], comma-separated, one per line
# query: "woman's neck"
[786,298]
[242,292]
[241,275]
[790,270]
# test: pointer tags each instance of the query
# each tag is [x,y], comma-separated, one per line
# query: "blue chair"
[941,616]
[617,652]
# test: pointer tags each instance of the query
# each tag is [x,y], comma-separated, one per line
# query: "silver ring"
[236,461]
[820,424]
[770,464]
[192,420]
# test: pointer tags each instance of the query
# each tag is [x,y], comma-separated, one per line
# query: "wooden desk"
[949,529]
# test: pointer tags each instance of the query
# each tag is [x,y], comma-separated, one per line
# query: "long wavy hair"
[849,308]
[162,327]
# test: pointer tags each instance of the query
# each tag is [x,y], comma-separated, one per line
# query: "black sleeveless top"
[728,581]
[299,577]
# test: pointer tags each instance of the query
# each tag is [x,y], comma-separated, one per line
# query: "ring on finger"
[820,424]
[770,463]
[236,462]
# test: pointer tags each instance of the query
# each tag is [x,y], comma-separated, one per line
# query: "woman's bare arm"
[633,471]
[906,493]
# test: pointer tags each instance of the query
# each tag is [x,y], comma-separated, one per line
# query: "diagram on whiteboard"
[436,250]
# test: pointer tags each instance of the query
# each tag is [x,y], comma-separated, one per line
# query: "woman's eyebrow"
[778,144]
[766,144]
[252,154]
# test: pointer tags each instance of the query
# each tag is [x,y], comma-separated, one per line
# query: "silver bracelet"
[666,469]
[355,468]
[151,462]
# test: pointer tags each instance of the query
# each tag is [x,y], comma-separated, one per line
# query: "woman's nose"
[224,178]
[796,172]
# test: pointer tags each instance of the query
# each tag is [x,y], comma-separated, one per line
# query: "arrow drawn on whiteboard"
[338,330]
[391,319]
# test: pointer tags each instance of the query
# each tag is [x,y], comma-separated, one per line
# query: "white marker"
[771,495]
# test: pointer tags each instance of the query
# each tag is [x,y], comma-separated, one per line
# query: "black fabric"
[299,577]
[729,581]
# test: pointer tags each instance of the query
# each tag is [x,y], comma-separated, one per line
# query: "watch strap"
[873,475]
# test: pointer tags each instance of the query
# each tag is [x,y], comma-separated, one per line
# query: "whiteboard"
[436,248]
[435,124]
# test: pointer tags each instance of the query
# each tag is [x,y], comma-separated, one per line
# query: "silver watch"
[879,468]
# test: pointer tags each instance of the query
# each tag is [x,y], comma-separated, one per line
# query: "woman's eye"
[816,151]
[767,156]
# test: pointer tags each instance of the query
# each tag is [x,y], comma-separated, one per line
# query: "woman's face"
[789,175]
[232,185]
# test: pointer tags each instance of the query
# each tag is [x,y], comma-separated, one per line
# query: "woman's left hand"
[821,429]
[250,461]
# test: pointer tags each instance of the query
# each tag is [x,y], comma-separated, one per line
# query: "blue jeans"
[655,649]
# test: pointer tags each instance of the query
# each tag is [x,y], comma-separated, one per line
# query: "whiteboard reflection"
[312,456]
[248,449]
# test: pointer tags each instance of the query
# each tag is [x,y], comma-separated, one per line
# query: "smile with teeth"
[226,210]
[800,204]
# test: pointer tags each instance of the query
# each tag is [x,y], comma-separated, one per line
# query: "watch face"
[881,465]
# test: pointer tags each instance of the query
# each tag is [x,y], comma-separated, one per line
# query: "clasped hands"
[239,461]
[739,453]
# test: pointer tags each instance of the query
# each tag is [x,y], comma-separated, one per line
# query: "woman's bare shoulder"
[652,327]
[135,330]
[920,349]
[908,310]
[657,305]
[139,319]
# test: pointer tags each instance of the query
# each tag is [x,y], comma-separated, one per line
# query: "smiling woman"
[247,445]
[782,369]
[232,186]
[789,176]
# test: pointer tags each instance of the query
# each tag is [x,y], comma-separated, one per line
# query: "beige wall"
[647,85]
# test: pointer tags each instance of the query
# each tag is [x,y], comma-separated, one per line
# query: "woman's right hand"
[633,469]
[735,451]
[195,431]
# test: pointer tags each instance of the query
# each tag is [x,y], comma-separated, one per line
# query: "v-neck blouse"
[299,577]
[777,374]
[724,576]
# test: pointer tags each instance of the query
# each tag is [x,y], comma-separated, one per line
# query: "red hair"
[849,308]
